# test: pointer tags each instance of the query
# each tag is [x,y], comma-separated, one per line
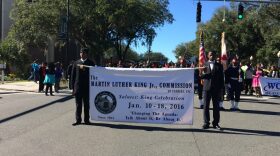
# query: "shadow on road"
[256,101]
[260,112]
[10,93]
[35,109]
[249,111]
[197,130]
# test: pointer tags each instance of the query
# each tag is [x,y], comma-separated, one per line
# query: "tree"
[111,54]
[269,21]
[97,24]
[12,53]
[153,56]
[257,34]
[187,50]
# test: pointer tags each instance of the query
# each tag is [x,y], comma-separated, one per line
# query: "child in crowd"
[49,78]
[256,81]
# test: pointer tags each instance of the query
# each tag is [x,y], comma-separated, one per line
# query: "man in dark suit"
[80,84]
[213,77]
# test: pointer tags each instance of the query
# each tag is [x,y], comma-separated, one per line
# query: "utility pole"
[67,33]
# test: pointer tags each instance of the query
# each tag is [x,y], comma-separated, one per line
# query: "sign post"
[2,67]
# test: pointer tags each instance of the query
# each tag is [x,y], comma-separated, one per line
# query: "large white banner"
[162,95]
[270,86]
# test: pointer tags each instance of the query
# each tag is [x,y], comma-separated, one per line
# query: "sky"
[183,28]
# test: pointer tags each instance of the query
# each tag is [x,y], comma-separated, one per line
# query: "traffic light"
[240,12]
[198,12]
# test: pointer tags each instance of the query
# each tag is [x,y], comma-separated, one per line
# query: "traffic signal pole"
[198,12]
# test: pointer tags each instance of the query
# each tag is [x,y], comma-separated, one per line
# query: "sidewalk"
[27,86]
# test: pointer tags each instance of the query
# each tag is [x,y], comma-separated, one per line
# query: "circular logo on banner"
[105,102]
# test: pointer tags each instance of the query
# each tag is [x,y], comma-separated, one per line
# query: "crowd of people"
[212,81]
[48,75]
[248,76]
[217,83]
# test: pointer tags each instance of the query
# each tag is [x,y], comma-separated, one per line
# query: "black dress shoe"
[205,126]
[76,123]
[217,127]
[87,123]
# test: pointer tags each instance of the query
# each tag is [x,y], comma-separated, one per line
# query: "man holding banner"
[80,83]
[213,77]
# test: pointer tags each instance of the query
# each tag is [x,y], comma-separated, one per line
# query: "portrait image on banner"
[142,95]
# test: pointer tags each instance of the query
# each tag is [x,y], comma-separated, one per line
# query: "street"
[34,124]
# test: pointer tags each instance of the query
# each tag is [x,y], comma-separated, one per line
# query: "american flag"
[202,57]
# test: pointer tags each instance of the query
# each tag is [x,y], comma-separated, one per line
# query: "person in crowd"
[166,65]
[34,72]
[248,79]
[221,101]
[120,64]
[42,74]
[233,79]
[58,76]
[80,83]
[213,76]
[172,64]
[274,73]
[109,64]
[68,74]
[198,82]
[256,80]
[49,78]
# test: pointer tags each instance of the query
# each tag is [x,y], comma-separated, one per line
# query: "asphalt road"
[33,124]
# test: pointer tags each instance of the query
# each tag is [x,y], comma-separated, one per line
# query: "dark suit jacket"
[80,77]
[213,79]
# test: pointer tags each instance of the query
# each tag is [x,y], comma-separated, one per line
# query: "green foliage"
[35,22]
[153,56]
[13,54]
[112,54]
[257,34]
[97,24]
[187,50]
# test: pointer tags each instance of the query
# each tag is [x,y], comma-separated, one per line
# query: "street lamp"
[278,55]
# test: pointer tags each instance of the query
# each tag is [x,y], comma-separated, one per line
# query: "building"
[6,22]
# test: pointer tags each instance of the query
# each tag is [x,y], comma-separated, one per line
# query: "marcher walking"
[80,83]
[234,79]
[213,77]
